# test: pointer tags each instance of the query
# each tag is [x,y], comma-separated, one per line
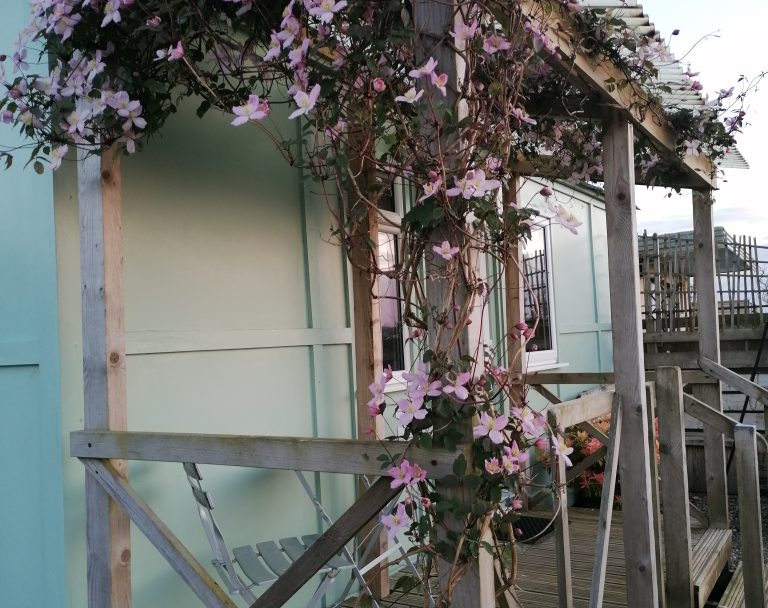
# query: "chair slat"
[191,469]
[249,562]
[202,497]
[272,555]
[293,547]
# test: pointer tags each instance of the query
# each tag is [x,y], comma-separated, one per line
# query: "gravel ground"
[700,501]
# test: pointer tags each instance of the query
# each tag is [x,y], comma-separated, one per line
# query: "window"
[396,355]
[390,304]
[537,264]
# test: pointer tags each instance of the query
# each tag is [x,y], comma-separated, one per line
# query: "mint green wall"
[580,284]
[31,523]
[237,322]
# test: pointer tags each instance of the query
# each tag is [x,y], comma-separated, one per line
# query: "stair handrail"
[746,445]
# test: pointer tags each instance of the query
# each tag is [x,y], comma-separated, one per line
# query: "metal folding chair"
[250,566]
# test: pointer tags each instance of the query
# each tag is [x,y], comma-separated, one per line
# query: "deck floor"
[537,578]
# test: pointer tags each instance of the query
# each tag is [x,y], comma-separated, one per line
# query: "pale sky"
[738,45]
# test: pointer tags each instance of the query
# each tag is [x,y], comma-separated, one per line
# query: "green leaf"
[38,167]
[460,466]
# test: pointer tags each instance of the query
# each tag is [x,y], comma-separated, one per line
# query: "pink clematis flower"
[495,43]
[57,155]
[565,218]
[306,102]
[419,384]
[440,82]
[111,12]
[457,384]
[417,474]
[377,390]
[379,85]
[464,33]
[473,184]
[522,117]
[255,109]
[410,96]
[410,410]
[492,466]
[397,522]
[426,70]
[546,192]
[530,422]
[692,147]
[326,10]
[431,188]
[275,46]
[401,475]
[176,52]
[445,251]
[491,427]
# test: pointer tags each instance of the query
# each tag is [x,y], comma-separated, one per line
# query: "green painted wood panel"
[31,522]
[238,321]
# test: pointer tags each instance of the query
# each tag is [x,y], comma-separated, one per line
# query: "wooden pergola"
[105,445]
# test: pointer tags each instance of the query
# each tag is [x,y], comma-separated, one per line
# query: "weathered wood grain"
[290,453]
[623,270]
[104,382]
[576,411]
[674,488]
[651,409]
[734,380]
[167,544]
[709,346]
[750,516]
[328,545]
[597,592]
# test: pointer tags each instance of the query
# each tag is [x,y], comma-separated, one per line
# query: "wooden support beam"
[104,392]
[690,376]
[734,380]
[328,545]
[514,298]
[369,365]
[650,399]
[674,488]
[599,569]
[709,347]
[288,453]
[576,411]
[750,518]
[623,266]
[168,545]
[593,74]
[562,525]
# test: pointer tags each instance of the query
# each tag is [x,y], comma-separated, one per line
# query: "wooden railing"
[672,404]
[96,448]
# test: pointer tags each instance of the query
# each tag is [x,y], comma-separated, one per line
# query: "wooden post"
[650,399]
[709,346]
[562,523]
[514,308]
[597,591]
[104,380]
[749,515]
[674,488]
[369,364]
[623,266]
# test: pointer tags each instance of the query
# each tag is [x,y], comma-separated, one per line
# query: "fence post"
[749,515]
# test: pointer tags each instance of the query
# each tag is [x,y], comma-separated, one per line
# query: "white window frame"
[389,222]
[545,359]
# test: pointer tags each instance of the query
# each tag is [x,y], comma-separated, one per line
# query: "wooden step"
[733,597]
[710,557]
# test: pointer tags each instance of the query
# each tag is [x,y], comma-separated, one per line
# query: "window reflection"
[535,264]
[390,308]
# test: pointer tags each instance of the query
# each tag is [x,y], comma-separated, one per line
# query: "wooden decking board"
[733,597]
[537,577]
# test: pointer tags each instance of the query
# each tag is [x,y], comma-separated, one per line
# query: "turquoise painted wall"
[31,521]
[580,284]
[237,321]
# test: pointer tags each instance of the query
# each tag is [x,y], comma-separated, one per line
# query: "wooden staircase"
[734,596]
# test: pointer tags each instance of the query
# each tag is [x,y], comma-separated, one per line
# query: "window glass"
[537,292]
[390,307]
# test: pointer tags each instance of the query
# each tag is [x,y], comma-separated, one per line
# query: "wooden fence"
[668,289]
